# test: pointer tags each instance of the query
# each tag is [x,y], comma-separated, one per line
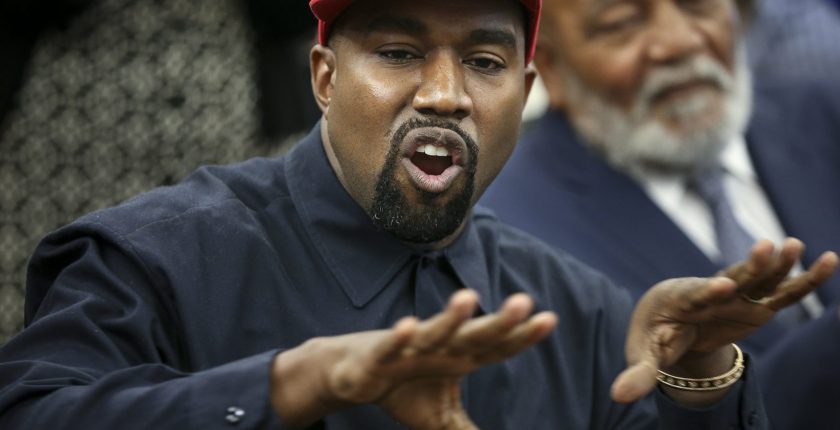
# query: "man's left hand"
[685,326]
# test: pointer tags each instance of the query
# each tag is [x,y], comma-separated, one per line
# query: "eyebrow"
[390,23]
[492,37]
[414,27]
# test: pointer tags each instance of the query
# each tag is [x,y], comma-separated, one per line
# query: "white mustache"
[698,68]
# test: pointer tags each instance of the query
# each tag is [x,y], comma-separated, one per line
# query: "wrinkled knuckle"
[344,386]
[686,306]
[792,296]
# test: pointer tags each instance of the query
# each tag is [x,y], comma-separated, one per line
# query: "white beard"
[635,140]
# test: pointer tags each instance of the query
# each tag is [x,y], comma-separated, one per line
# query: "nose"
[674,36]
[442,88]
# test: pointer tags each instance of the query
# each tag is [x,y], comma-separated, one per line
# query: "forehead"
[551,7]
[429,17]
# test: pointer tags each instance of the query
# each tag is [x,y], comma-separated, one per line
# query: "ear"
[530,77]
[322,68]
[551,73]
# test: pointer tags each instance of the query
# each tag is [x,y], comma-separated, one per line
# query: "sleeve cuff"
[235,395]
[742,408]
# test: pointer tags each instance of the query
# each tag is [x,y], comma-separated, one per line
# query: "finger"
[438,329]
[392,345]
[485,332]
[747,272]
[636,381]
[779,269]
[698,294]
[646,353]
[800,286]
[459,420]
[521,337]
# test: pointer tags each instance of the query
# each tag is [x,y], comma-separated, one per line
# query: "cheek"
[610,68]
[366,107]
[364,102]
[616,76]
[498,132]
[719,34]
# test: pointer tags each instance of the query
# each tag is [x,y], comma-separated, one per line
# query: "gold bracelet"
[706,384]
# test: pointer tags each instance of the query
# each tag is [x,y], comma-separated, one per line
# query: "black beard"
[423,223]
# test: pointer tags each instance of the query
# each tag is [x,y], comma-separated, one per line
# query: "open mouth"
[432,159]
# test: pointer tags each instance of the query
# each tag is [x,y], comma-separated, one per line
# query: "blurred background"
[103,99]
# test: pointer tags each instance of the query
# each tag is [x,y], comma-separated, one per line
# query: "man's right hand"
[412,370]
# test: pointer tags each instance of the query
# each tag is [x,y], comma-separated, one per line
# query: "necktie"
[734,242]
[434,282]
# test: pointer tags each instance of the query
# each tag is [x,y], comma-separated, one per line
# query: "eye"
[619,24]
[486,64]
[397,55]
[618,18]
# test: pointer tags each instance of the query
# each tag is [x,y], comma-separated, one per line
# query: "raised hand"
[412,370]
[685,326]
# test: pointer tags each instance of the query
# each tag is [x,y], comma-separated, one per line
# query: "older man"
[276,292]
[645,168]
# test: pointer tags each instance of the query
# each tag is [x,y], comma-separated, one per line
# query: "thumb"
[460,421]
[635,381]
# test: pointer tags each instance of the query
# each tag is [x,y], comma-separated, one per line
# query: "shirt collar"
[735,160]
[362,257]
[670,189]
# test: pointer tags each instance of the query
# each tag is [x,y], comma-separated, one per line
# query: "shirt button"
[234,415]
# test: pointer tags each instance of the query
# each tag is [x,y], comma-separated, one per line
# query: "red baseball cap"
[328,10]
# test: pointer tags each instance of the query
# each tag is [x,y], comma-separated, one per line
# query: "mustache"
[425,122]
[698,68]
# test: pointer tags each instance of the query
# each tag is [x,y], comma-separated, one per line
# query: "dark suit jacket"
[556,189]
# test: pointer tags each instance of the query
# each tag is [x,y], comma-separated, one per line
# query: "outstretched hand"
[684,326]
[413,370]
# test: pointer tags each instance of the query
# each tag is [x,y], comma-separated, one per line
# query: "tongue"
[431,165]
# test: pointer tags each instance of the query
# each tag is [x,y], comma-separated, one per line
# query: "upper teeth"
[438,151]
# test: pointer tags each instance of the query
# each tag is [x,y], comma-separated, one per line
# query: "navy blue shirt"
[167,311]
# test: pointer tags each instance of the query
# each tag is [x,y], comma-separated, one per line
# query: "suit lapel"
[794,173]
[644,232]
